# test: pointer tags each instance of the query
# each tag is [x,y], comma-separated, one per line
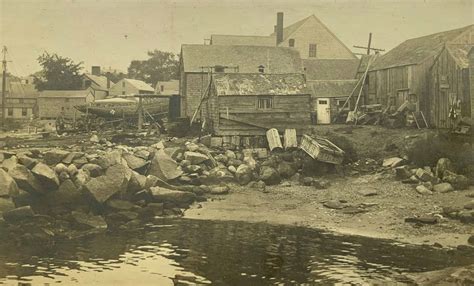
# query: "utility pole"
[4,82]
[369,47]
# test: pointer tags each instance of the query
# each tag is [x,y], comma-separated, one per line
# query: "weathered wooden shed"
[450,86]
[250,104]
[404,73]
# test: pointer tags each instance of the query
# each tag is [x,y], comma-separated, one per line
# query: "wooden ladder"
[420,119]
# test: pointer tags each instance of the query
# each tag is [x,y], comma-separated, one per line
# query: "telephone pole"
[369,47]
[4,83]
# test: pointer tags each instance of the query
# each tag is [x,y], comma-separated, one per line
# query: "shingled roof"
[276,60]
[260,84]
[330,69]
[332,88]
[240,40]
[100,80]
[415,51]
[140,85]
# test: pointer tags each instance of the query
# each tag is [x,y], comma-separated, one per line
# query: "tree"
[58,73]
[161,66]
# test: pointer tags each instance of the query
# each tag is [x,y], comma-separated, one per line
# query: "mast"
[4,82]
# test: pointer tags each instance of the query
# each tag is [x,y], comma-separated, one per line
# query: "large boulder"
[46,176]
[8,186]
[243,174]
[286,169]
[443,164]
[137,182]
[459,182]
[27,161]
[89,221]
[109,159]
[269,175]
[9,163]
[18,214]
[93,170]
[424,175]
[162,195]
[134,162]
[26,180]
[195,158]
[67,195]
[115,180]
[443,188]
[55,156]
[6,204]
[164,167]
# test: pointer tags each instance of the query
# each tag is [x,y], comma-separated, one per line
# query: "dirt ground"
[293,204]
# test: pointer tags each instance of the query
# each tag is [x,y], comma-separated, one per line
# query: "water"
[189,252]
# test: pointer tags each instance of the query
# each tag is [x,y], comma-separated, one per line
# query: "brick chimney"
[95,70]
[279,28]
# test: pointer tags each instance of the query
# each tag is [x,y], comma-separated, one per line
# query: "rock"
[443,188]
[26,180]
[286,169]
[134,162]
[307,181]
[89,221]
[402,172]
[109,159]
[59,168]
[459,182]
[270,176]
[194,169]
[219,190]
[368,192]
[144,154]
[137,182]
[466,216]
[55,156]
[443,164]
[412,180]
[232,169]
[392,162]
[426,219]
[230,154]
[9,163]
[79,162]
[18,214]
[192,147]
[195,158]
[67,195]
[93,170]
[428,185]
[469,205]
[72,170]
[8,186]
[94,139]
[114,181]
[424,175]
[163,167]
[120,205]
[6,204]
[218,175]
[334,204]
[160,194]
[421,189]
[470,240]
[158,145]
[46,176]
[27,161]
[71,156]
[81,178]
[243,174]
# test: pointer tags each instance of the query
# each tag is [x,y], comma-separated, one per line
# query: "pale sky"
[114,32]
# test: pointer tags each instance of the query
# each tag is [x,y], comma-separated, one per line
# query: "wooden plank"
[247,122]
[290,140]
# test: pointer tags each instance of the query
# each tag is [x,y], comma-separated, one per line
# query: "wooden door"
[323,112]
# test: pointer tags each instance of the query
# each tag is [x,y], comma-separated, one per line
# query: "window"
[10,111]
[123,84]
[261,69]
[162,88]
[265,103]
[24,112]
[313,50]
[218,69]
[322,102]
[291,43]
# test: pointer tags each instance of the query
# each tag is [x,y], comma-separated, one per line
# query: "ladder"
[420,119]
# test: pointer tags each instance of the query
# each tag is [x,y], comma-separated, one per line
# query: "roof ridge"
[442,32]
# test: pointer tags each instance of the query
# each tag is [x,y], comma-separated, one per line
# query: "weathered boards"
[273,139]
[290,140]
[322,149]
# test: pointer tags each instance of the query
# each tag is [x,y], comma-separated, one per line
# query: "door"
[323,111]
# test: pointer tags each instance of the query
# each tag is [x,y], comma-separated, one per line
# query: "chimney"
[279,28]
[95,70]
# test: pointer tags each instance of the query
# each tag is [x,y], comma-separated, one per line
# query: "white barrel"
[290,140]
[273,139]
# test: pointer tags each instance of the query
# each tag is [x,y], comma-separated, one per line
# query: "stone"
[72,170]
[79,162]
[115,180]
[443,188]
[459,182]
[425,219]
[402,172]
[469,205]
[162,195]
[230,154]
[67,195]
[366,192]
[193,147]
[219,190]
[412,180]
[470,240]
[466,216]
[71,157]
[243,174]
[89,221]
[232,169]
[424,175]
[134,162]
[158,145]
[26,180]
[81,178]
[163,167]
[334,204]
[8,186]
[137,182]
[46,176]
[144,154]
[221,158]
[27,161]
[120,205]
[270,176]
[193,169]
[6,204]
[443,164]
[55,156]
[421,189]
[9,163]
[286,169]
[195,158]
[93,170]
[392,162]
[18,214]
[157,208]
[59,168]
[109,159]
[307,181]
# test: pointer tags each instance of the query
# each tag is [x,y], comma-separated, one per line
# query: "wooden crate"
[321,149]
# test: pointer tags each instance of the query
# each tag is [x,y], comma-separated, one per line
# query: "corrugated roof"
[332,88]
[140,85]
[460,53]
[170,87]
[99,80]
[416,50]
[247,58]
[330,69]
[64,93]
[242,40]
[260,84]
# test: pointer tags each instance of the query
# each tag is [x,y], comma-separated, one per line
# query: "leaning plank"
[322,149]
[290,140]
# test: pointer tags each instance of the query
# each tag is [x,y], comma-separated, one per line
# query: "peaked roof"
[138,84]
[287,31]
[100,80]
[415,51]
[260,84]
[64,93]
[330,69]
[332,88]
[242,40]
[276,60]
[19,89]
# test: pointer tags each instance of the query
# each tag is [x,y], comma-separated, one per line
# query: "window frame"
[313,50]
[265,103]
[24,112]
[291,43]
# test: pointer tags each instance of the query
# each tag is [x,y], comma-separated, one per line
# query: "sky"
[112,33]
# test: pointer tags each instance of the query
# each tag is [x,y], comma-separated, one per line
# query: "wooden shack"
[250,104]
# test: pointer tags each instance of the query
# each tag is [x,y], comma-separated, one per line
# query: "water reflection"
[189,252]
